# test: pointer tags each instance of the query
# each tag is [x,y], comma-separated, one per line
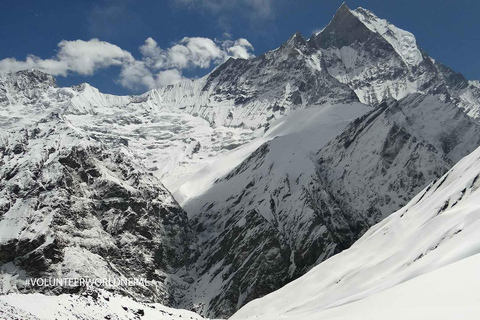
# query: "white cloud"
[167,77]
[136,75]
[193,52]
[82,57]
[160,67]
[198,52]
[54,67]
[153,56]
[240,49]
[157,66]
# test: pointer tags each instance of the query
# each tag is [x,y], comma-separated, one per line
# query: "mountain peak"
[350,26]
[344,29]
[343,8]
[295,40]
[29,78]
[402,41]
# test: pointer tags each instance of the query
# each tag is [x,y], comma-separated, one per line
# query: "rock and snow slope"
[440,226]
[70,207]
[258,226]
[239,149]
[307,195]
[384,158]
[380,61]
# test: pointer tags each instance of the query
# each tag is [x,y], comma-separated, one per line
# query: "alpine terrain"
[391,271]
[223,189]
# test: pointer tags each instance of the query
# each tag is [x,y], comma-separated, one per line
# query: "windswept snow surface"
[440,226]
[93,306]
[450,292]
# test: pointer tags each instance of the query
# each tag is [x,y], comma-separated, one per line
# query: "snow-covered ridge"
[385,158]
[440,226]
[90,100]
[403,41]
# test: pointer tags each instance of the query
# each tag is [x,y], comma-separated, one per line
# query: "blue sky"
[448,30]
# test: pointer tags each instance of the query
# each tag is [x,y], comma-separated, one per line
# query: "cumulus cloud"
[198,52]
[52,66]
[194,52]
[171,76]
[136,75]
[160,67]
[239,48]
[82,57]
[156,67]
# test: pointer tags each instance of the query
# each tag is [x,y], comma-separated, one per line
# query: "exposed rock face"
[385,157]
[73,208]
[380,61]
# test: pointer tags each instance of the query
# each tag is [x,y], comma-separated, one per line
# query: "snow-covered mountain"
[380,61]
[71,207]
[275,164]
[439,226]
[384,158]
[171,145]
[306,195]
[258,226]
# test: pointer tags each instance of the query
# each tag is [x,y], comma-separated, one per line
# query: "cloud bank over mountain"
[156,66]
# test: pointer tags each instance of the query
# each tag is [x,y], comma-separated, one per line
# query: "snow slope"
[90,305]
[263,208]
[450,292]
[311,192]
[307,129]
[440,226]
